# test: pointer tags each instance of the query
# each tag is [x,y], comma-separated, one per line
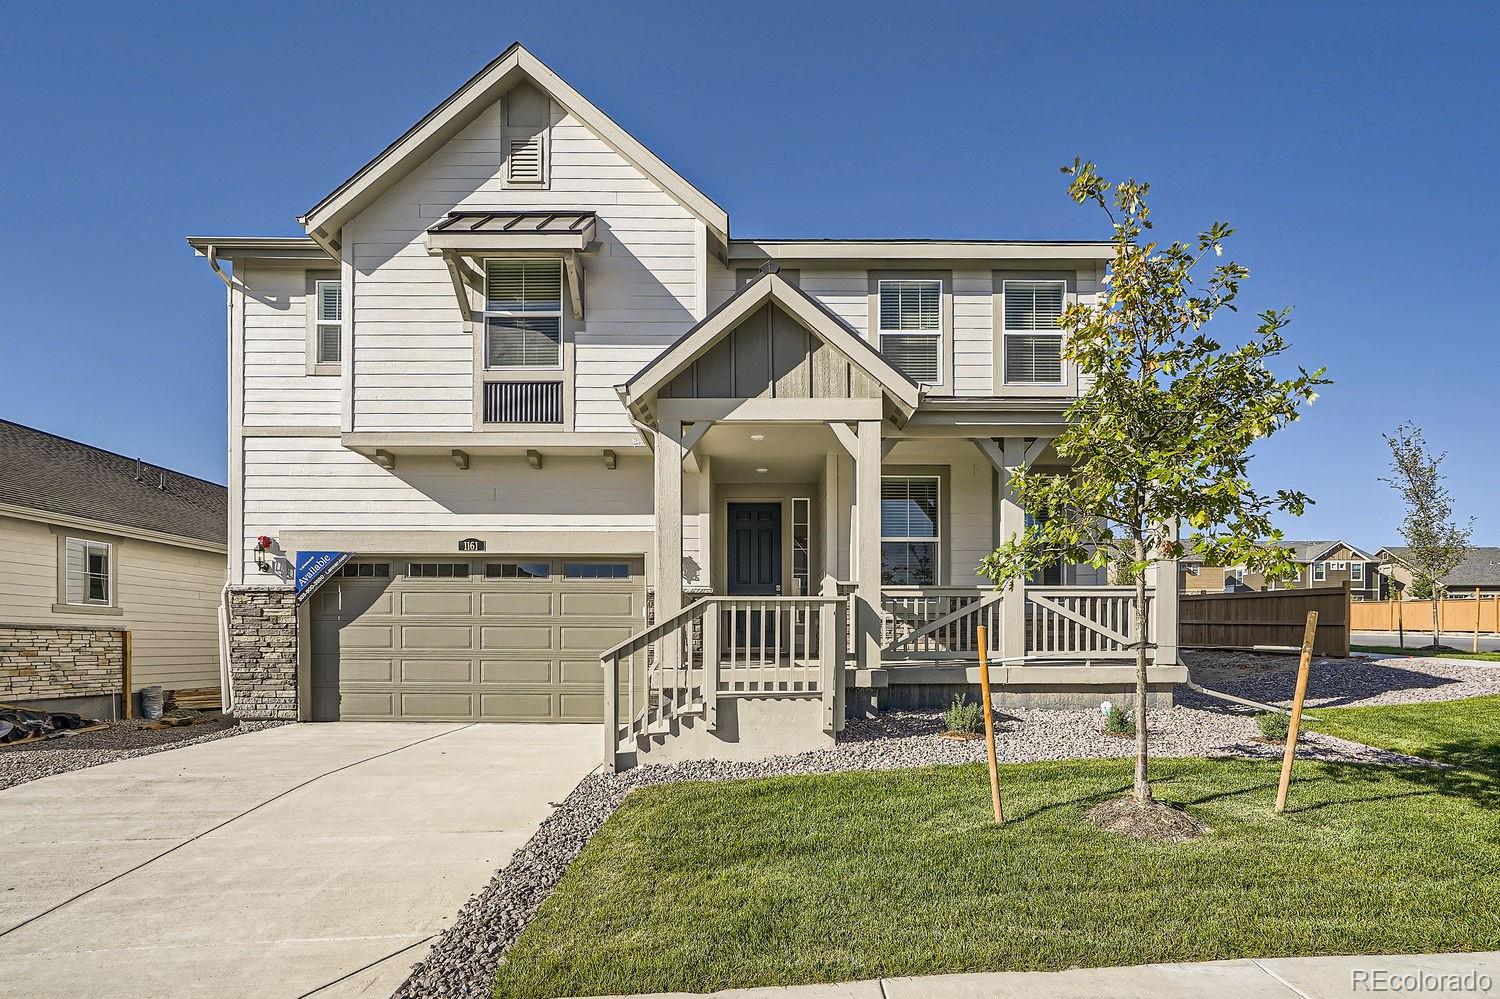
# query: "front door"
[754,562]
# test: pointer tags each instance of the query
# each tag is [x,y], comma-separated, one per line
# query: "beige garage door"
[514,639]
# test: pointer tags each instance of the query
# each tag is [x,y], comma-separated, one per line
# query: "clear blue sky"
[1354,145]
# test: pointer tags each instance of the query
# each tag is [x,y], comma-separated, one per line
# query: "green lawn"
[1465,733]
[705,886]
[1394,650]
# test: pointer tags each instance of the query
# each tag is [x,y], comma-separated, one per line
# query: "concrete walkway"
[304,860]
[1469,975]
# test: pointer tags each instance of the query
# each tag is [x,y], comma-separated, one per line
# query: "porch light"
[761,471]
[262,545]
[757,437]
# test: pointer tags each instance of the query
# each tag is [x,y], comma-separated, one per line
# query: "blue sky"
[1349,143]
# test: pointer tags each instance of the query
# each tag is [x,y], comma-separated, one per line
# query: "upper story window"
[911,326]
[329,306]
[523,313]
[1357,571]
[1032,342]
[528,117]
[909,530]
[87,579]
[1319,571]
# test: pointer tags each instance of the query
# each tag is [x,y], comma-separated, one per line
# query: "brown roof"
[42,471]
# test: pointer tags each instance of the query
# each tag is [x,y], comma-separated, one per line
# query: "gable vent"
[523,160]
[523,402]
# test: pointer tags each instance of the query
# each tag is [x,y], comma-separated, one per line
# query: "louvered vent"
[523,402]
[1033,306]
[523,160]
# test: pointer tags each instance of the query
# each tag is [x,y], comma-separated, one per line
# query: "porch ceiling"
[788,452]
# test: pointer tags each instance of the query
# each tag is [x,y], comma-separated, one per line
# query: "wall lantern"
[262,545]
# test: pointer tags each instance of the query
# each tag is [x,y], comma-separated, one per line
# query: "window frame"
[511,132]
[315,279]
[562,372]
[1320,572]
[519,564]
[939,524]
[943,334]
[411,576]
[568,567]
[1068,386]
[486,314]
[112,606]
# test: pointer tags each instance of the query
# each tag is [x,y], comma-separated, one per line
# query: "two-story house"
[1319,564]
[518,401]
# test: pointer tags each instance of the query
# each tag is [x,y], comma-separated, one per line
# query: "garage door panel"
[436,704]
[359,670]
[415,637]
[598,604]
[366,636]
[518,603]
[590,671]
[436,603]
[377,704]
[437,671]
[584,638]
[581,707]
[505,637]
[503,671]
[515,707]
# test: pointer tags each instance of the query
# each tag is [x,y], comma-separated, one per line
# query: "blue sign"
[315,568]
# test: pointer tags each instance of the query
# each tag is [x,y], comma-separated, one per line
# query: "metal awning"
[479,231]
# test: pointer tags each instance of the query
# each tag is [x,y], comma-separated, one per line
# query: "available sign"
[315,568]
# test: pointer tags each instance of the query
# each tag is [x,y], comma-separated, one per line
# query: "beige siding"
[278,389]
[170,597]
[414,365]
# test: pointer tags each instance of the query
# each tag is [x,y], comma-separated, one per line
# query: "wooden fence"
[1272,621]
[1416,615]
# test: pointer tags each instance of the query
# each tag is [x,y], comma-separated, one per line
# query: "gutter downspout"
[212,254]
[226,687]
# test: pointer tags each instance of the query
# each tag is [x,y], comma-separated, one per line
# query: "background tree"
[1436,544]
[1162,434]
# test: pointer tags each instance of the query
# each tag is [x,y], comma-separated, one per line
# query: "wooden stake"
[989,721]
[127,711]
[1296,724]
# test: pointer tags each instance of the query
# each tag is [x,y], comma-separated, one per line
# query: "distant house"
[94,545]
[1319,564]
[1479,571]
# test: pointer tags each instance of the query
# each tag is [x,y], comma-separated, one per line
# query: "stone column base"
[263,652]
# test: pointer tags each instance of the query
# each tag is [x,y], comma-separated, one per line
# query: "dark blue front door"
[754,565]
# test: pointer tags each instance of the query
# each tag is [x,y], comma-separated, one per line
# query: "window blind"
[1033,358]
[1033,305]
[523,313]
[330,316]
[911,305]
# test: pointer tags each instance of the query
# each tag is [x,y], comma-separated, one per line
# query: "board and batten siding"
[301,484]
[278,391]
[169,595]
[413,366]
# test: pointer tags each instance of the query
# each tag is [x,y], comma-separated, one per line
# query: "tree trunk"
[1142,624]
[1436,631]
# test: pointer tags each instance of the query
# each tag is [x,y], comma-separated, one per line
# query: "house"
[518,403]
[112,571]
[1480,570]
[1319,564]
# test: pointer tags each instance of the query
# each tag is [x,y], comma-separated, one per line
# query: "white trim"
[108,574]
[1006,332]
[488,313]
[845,250]
[935,334]
[1319,572]
[105,527]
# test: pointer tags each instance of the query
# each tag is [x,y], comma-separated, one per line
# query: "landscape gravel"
[1358,680]
[463,959]
[123,740]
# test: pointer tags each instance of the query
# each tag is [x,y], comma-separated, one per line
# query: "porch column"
[1164,608]
[866,541]
[830,530]
[668,560]
[1012,523]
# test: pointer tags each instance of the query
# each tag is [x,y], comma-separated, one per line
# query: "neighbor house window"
[1357,571]
[909,530]
[911,327]
[523,313]
[87,573]
[329,302]
[1320,571]
[1031,343]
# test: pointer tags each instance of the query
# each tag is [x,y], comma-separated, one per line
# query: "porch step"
[663,726]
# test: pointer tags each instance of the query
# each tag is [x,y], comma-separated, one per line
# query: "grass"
[1393,650]
[1464,733]
[792,880]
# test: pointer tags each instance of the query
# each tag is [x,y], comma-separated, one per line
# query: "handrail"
[660,629]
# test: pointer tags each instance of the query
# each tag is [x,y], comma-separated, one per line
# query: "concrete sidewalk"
[309,859]
[1448,975]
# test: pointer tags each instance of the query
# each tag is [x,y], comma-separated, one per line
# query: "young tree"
[1161,435]
[1435,543]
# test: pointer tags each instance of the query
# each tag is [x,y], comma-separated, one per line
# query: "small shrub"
[1117,721]
[963,715]
[1274,725]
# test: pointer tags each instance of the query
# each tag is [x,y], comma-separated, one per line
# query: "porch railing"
[1056,623]
[722,647]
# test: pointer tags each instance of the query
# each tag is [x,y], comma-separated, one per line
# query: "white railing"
[723,647]
[1056,622]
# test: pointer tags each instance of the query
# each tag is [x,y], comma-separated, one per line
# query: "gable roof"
[460,108]
[814,315]
[1480,567]
[44,472]
[1312,551]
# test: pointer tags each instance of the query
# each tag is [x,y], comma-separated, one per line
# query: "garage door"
[480,640]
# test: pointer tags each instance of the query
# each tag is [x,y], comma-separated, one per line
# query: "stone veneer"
[263,652]
[42,662]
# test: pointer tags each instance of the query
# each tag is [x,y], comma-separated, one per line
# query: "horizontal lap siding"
[170,597]
[315,484]
[973,332]
[414,365]
[278,389]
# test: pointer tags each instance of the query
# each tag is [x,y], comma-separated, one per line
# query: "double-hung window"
[1357,572]
[329,303]
[909,530]
[1031,338]
[86,575]
[1320,571]
[522,313]
[911,326]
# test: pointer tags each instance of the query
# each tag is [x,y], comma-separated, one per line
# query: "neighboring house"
[1480,570]
[1199,578]
[93,545]
[519,368]
[1319,564]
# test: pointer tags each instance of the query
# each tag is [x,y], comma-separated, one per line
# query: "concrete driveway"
[303,860]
